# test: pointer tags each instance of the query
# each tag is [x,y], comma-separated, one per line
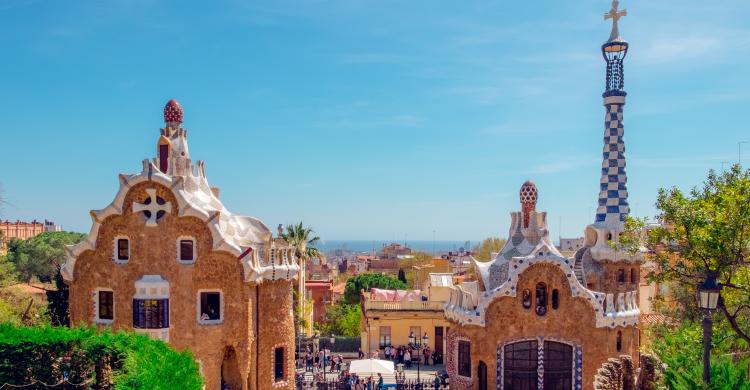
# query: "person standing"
[380,381]
[436,381]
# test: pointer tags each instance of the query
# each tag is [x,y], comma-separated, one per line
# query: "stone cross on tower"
[615,15]
[152,207]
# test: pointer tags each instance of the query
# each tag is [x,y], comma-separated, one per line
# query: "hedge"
[86,358]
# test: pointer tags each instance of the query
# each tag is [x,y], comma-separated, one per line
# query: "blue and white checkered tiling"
[613,192]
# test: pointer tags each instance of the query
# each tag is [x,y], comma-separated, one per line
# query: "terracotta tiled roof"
[656,318]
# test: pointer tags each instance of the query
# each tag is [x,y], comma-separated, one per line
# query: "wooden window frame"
[98,306]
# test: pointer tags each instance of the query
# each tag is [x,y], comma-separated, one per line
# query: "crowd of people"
[407,355]
[321,361]
[324,361]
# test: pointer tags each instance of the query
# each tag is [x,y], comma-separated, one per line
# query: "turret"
[173,157]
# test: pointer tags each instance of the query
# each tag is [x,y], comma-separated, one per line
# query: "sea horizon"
[429,246]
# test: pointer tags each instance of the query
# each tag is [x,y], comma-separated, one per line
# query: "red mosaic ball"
[528,193]
[173,111]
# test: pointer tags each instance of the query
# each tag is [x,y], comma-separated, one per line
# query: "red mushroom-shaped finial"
[173,112]
[528,195]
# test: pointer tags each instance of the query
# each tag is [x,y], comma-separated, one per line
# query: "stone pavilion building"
[168,259]
[536,319]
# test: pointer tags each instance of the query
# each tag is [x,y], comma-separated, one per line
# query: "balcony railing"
[404,305]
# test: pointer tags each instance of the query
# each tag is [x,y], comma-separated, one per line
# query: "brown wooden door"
[482,375]
[439,342]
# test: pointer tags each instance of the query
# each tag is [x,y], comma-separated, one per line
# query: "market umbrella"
[371,366]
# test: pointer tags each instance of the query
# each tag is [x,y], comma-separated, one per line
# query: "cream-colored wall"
[439,294]
[400,323]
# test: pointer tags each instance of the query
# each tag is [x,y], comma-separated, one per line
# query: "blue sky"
[367,120]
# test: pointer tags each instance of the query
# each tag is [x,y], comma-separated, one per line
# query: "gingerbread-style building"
[168,259]
[535,319]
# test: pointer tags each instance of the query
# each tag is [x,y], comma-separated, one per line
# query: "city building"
[538,319]
[168,259]
[321,294]
[395,251]
[390,316]
[421,273]
[19,230]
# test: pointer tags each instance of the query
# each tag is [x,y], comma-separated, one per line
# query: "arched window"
[619,341]
[621,276]
[526,298]
[609,237]
[541,299]
[555,299]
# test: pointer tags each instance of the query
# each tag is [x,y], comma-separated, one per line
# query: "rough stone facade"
[255,316]
[572,323]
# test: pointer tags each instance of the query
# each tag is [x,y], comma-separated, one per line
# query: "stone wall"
[153,251]
[573,322]
[276,330]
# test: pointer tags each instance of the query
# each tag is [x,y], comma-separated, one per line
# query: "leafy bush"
[102,359]
[681,354]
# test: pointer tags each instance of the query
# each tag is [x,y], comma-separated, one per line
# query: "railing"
[620,302]
[409,384]
[404,305]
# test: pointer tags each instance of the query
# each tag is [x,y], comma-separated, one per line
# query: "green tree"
[304,241]
[41,256]
[680,351]
[367,281]
[343,320]
[704,231]
[483,251]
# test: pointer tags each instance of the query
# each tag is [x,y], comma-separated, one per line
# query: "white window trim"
[96,306]
[198,307]
[195,249]
[115,249]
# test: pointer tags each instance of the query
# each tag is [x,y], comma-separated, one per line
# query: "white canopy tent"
[371,366]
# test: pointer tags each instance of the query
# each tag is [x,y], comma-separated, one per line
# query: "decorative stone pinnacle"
[173,112]
[528,196]
[615,15]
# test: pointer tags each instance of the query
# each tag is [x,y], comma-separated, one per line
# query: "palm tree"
[303,240]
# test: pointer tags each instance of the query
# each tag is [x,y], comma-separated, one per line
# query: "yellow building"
[421,272]
[389,316]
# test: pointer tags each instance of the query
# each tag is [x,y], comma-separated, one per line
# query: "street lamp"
[416,345]
[332,340]
[708,299]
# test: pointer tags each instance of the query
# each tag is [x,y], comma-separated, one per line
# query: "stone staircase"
[578,268]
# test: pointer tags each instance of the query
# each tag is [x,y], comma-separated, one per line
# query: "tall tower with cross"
[613,205]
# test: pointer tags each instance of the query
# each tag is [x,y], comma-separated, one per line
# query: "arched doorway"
[524,363]
[558,366]
[520,364]
[482,375]
[230,370]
